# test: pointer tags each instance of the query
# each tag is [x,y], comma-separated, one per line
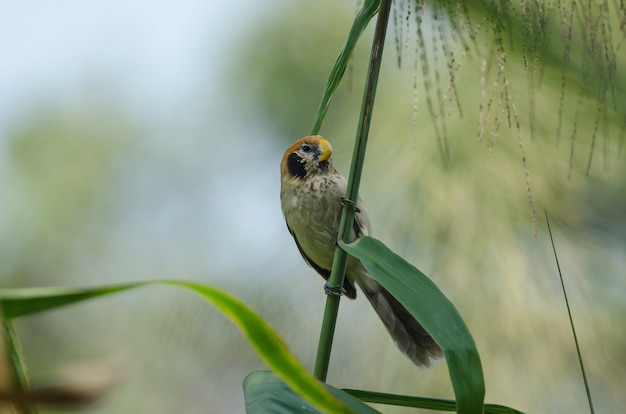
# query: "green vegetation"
[510,108]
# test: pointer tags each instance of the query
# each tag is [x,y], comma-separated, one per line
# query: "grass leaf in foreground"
[269,346]
[266,393]
[437,404]
[434,311]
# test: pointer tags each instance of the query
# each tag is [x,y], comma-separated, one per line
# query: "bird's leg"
[333,290]
[339,290]
[350,204]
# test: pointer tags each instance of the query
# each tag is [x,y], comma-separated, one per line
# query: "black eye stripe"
[296,166]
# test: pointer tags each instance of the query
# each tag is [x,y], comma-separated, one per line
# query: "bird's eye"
[306,148]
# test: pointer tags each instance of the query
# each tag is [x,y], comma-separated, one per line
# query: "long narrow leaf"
[571,319]
[434,311]
[22,302]
[266,393]
[437,404]
[269,346]
[367,12]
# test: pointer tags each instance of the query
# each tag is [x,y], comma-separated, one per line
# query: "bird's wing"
[350,290]
[361,225]
[358,228]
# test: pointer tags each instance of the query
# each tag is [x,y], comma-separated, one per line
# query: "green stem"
[571,320]
[18,365]
[347,215]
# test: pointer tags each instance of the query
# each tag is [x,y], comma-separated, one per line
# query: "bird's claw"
[350,203]
[333,290]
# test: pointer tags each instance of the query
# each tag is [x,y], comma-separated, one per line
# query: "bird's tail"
[410,337]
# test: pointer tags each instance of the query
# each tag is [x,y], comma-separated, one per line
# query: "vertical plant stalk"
[17,364]
[571,320]
[347,215]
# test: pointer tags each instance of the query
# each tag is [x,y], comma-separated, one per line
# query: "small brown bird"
[311,197]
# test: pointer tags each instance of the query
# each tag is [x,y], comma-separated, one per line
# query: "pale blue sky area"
[149,50]
[163,63]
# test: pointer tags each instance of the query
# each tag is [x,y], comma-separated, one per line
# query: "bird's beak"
[325,150]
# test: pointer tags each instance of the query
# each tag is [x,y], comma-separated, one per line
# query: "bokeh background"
[141,140]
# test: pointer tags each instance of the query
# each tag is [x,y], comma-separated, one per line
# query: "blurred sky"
[162,63]
[152,51]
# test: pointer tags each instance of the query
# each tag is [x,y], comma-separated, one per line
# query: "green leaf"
[437,404]
[419,295]
[367,12]
[274,352]
[266,393]
[16,303]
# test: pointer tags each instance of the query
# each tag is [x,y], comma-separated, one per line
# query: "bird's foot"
[333,290]
[350,203]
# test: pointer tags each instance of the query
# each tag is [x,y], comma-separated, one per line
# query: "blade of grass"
[367,12]
[571,320]
[269,346]
[421,297]
[340,259]
[266,393]
[17,363]
[272,350]
[437,404]
[23,302]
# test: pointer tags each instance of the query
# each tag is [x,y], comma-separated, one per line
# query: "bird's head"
[307,156]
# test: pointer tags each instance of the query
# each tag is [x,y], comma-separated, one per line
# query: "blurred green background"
[141,140]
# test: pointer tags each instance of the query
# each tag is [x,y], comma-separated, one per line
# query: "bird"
[312,195]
